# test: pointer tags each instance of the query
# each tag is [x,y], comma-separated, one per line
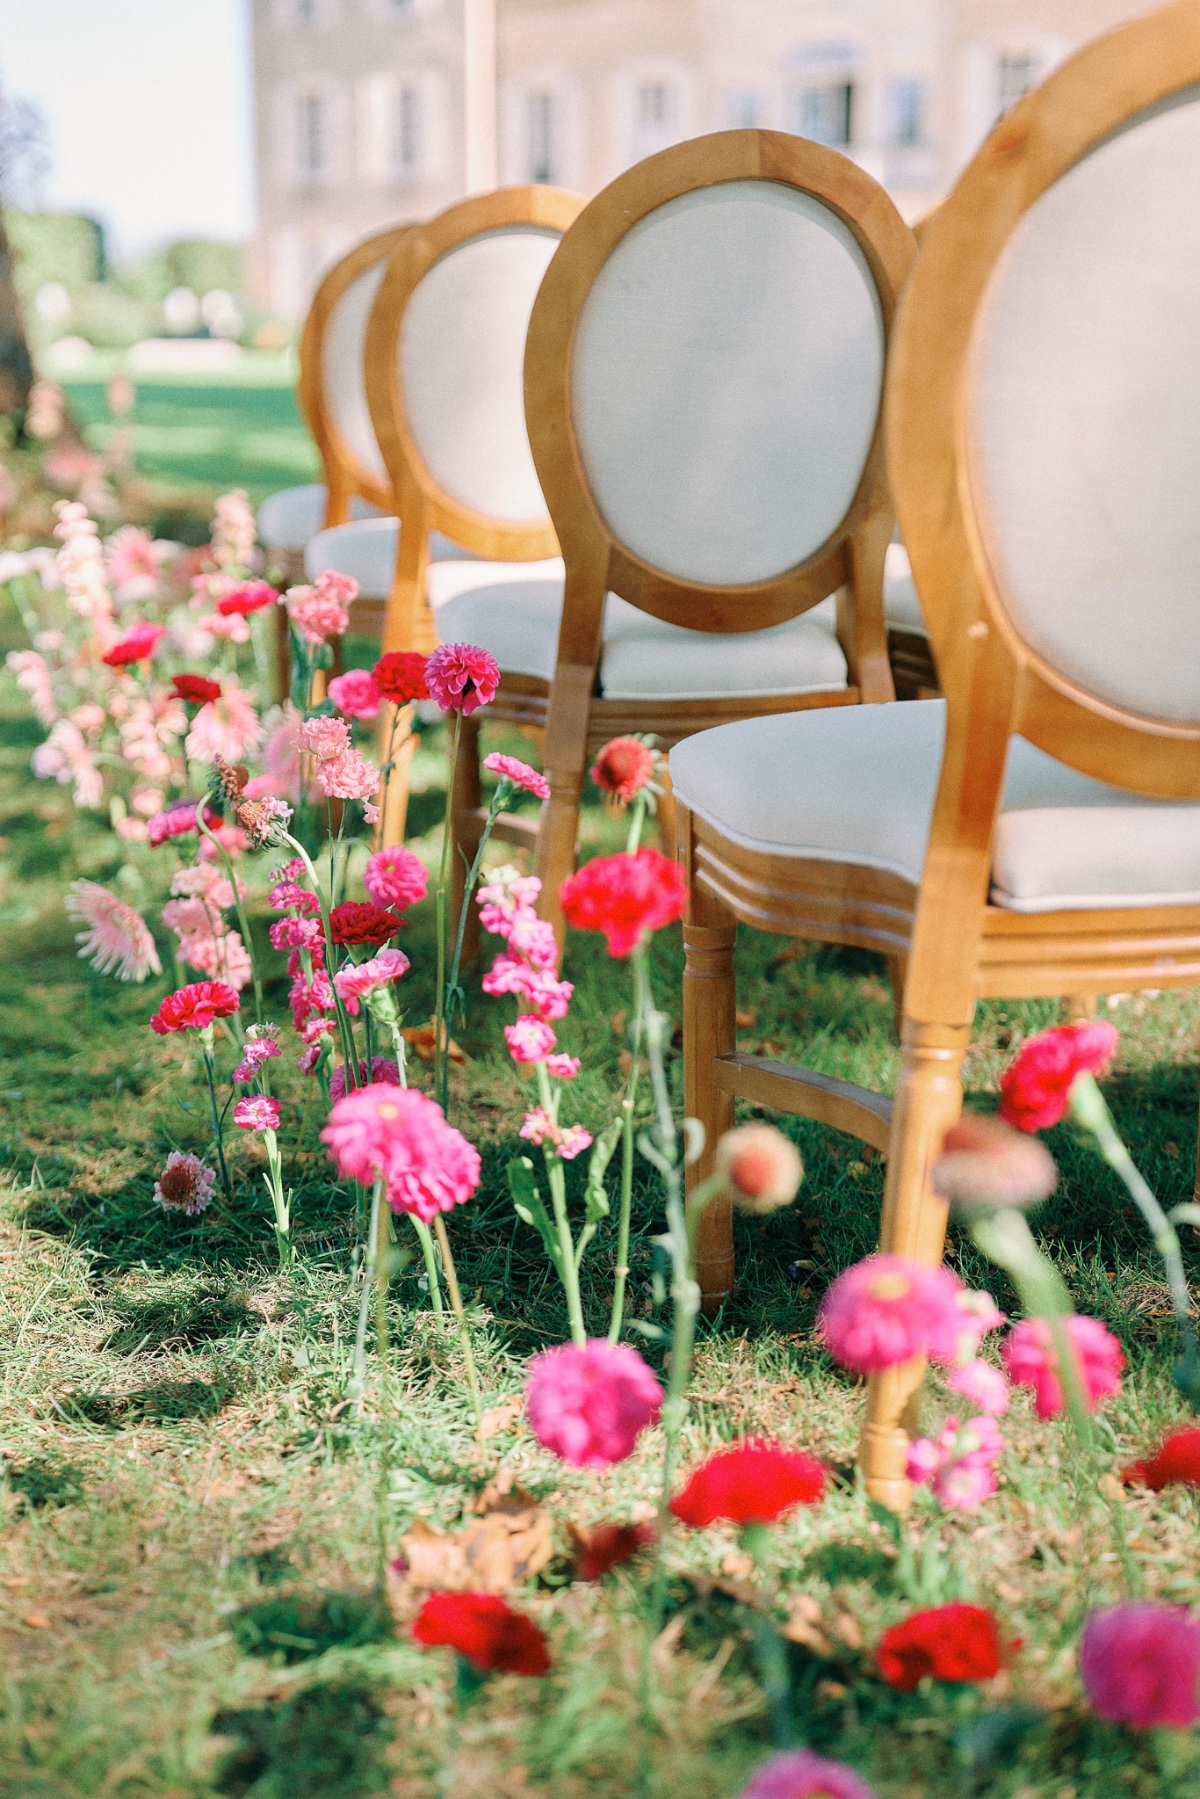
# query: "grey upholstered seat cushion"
[857,784]
[291,518]
[366,548]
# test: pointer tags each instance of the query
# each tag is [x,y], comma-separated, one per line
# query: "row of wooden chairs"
[734,359]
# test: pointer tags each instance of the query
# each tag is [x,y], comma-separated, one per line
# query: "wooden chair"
[443,359]
[703,381]
[1023,837]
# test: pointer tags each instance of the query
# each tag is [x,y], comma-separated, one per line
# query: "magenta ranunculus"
[589,1404]
[1140,1664]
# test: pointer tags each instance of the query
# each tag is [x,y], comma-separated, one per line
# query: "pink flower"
[986,1164]
[219,954]
[563,1068]
[538,1126]
[185,1185]
[530,1039]
[1140,1664]
[64,757]
[231,629]
[533,938]
[978,1315]
[132,563]
[348,777]
[520,773]
[281,755]
[887,1309]
[320,611]
[257,1051]
[798,1774]
[257,1112]
[355,980]
[1035,1089]
[194,1008]
[137,645]
[383,1069]
[356,694]
[178,819]
[625,896]
[961,1464]
[535,986]
[979,1381]
[462,677]
[246,597]
[116,939]
[397,1133]
[395,878]
[227,727]
[505,896]
[573,1142]
[290,893]
[1031,1360]
[588,1405]
[324,737]
[295,933]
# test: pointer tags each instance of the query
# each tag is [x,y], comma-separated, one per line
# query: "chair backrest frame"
[588,540]
[417,496]
[346,475]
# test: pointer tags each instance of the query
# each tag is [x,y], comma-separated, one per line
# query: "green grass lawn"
[189,1597]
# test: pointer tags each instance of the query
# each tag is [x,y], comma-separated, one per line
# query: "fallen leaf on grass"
[746,1020]
[422,1038]
[490,1555]
[499,1418]
[36,1620]
[804,1625]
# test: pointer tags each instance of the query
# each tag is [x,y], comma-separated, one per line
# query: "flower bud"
[985,1165]
[761,1168]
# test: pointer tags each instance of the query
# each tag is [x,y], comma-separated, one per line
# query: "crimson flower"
[357,922]
[1035,1089]
[753,1483]
[136,646]
[197,690]
[193,1008]
[609,1545]
[1176,1461]
[951,1642]
[624,766]
[484,1629]
[400,677]
[625,896]
[248,596]
[177,820]
[462,677]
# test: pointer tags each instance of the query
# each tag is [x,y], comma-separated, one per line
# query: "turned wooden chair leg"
[709,1027]
[468,797]
[396,741]
[557,836]
[283,656]
[897,974]
[666,817]
[1081,1006]
[928,1101]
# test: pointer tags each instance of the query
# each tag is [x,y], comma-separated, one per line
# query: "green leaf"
[602,1154]
[530,1208]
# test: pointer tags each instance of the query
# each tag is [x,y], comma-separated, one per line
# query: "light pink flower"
[1140,1664]
[116,939]
[348,777]
[383,1069]
[536,986]
[230,627]
[357,979]
[589,1404]
[979,1381]
[355,694]
[222,956]
[509,768]
[281,753]
[462,677]
[395,878]
[257,1051]
[887,1309]
[185,1185]
[799,1774]
[228,727]
[563,1068]
[530,1039]
[398,1133]
[33,678]
[539,1126]
[980,1314]
[324,737]
[573,1142]
[320,612]
[296,933]
[505,894]
[257,1112]
[1030,1360]
[233,840]
[533,938]
[132,563]
[65,757]
[961,1464]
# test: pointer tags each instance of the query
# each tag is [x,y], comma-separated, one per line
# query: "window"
[540,135]
[906,112]
[311,136]
[409,128]
[825,112]
[742,109]
[1017,71]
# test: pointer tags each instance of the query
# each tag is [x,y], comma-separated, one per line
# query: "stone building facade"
[360,110]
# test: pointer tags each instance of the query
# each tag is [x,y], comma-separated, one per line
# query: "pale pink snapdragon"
[65,757]
[33,678]
[227,627]
[504,895]
[536,986]
[539,1128]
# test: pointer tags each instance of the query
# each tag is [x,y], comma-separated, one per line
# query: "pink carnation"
[799,1774]
[509,768]
[395,878]
[1140,1664]
[462,677]
[320,612]
[563,1068]
[357,979]
[348,777]
[530,1039]
[383,1069]
[887,1309]
[1030,1360]
[588,1405]
[398,1133]
[257,1112]
[355,694]
[324,737]
[979,1381]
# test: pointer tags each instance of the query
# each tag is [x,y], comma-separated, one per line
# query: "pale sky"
[148,104]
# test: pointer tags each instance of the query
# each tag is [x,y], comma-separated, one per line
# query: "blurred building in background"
[360,103]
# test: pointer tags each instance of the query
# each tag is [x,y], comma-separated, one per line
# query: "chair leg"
[928,1101]
[709,1007]
[897,974]
[557,836]
[1081,1006]
[468,796]
[395,723]
[666,817]
[283,656]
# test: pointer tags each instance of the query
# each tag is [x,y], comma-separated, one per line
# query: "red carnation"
[357,922]
[246,597]
[400,677]
[1175,1462]
[484,1629]
[951,1642]
[625,896]
[752,1483]
[609,1545]
[197,690]
[136,646]
[624,766]
[193,1008]
[1035,1090]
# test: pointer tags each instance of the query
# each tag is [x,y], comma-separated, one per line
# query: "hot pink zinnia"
[798,1774]
[1030,1360]
[398,1133]
[462,677]
[509,768]
[1140,1664]
[888,1308]
[395,878]
[588,1405]
[258,1112]
[530,1039]
[355,693]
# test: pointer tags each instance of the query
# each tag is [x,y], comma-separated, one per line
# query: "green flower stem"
[499,799]
[637,819]
[358,1376]
[556,1179]
[628,1103]
[441,1049]
[382,1279]
[247,939]
[274,1181]
[1089,1108]
[206,1043]
[464,1329]
[425,1236]
[345,1029]
[771,1655]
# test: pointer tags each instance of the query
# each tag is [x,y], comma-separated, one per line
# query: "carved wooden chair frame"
[960,948]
